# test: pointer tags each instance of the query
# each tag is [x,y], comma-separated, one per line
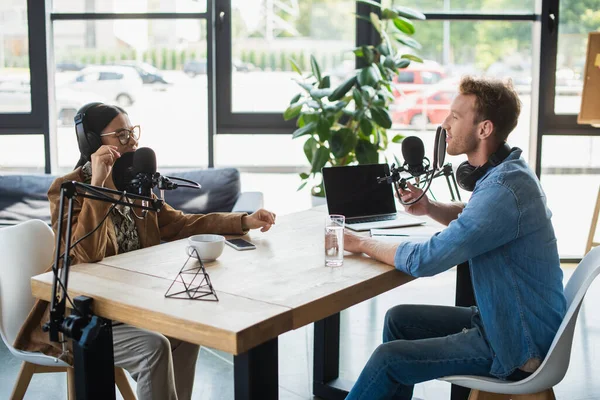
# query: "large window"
[266,35]
[22,153]
[567,153]
[577,18]
[127,6]
[148,67]
[15,90]
[468,6]
[452,49]
[571,165]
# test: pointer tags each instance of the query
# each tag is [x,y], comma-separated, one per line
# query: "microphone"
[122,172]
[144,171]
[413,152]
[416,164]
[135,172]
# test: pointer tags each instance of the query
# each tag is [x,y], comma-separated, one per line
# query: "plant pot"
[317,201]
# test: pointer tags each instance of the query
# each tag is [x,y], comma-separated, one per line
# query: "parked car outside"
[420,109]
[195,67]
[15,96]
[198,67]
[149,74]
[417,77]
[112,83]
[69,66]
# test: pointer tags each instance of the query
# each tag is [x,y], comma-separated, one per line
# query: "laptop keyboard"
[375,218]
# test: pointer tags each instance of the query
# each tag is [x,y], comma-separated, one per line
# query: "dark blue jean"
[421,343]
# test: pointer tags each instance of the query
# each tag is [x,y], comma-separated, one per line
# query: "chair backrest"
[25,250]
[556,363]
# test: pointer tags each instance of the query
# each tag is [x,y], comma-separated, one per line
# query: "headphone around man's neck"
[468,175]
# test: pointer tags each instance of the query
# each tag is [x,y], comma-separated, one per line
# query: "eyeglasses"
[124,135]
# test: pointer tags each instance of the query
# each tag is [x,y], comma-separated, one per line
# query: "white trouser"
[163,368]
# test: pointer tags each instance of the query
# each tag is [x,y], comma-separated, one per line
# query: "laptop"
[353,191]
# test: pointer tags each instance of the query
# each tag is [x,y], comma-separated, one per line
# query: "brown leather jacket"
[166,225]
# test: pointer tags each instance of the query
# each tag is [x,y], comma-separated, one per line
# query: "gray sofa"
[24,197]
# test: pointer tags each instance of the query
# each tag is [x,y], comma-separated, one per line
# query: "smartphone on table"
[240,244]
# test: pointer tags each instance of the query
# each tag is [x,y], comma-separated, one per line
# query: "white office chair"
[539,385]
[27,250]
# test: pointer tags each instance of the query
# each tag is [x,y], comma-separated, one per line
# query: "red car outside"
[422,109]
[418,77]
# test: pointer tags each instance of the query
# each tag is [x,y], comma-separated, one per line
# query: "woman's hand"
[102,162]
[260,219]
[421,207]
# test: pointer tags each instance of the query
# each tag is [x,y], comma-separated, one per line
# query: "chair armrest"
[249,202]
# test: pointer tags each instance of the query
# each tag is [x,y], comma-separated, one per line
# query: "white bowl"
[209,247]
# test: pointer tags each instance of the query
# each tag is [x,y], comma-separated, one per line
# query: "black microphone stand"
[395,179]
[91,335]
[450,180]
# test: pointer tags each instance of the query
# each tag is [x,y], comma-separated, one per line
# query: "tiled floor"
[361,332]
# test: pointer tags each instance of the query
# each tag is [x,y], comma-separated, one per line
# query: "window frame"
[229,122]
[35,122]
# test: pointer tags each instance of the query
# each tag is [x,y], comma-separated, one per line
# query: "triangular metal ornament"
[192,283]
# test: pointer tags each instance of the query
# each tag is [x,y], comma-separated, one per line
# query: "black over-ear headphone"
[87,140]
[467,175]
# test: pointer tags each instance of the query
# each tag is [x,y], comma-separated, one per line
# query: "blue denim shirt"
[506,234]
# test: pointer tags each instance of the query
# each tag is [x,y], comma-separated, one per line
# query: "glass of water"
[334,240]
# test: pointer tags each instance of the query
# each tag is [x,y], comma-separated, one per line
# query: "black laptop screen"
[354,191]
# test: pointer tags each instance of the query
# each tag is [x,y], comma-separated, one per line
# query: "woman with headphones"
[163,368]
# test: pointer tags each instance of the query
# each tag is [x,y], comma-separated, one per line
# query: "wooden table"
[280,286]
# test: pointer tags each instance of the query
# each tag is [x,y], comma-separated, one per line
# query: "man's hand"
[102,163]
[352,243]
[260,219]
[421,207]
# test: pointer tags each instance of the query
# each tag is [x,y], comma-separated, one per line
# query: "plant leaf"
[366,127]
[412,57]
[323,128]
[295,98]
[404,25]
[304,175]
[369,91]
[342,89]
[320,93]
[375,21]
[381,117]
[388,13]
[357,97]
[359,52]
[292,112]
[362,17]
[306,86]
[302,185]
[325,82]
[366,152]
[295,66]
[315,68]
[370,2]
[407,41]
[369,76]
[305,130]
[310,147]
[388,44]
[342,142]
[397,139]
[319,159]
[403,63]
[409,13]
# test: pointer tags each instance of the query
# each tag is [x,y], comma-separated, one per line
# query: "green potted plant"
[348,124]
